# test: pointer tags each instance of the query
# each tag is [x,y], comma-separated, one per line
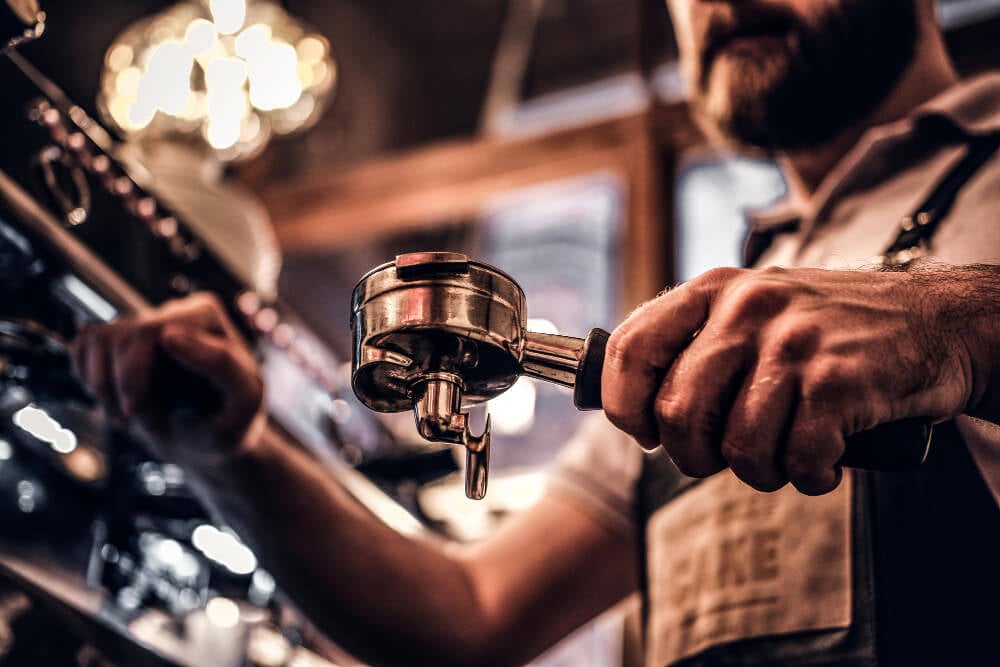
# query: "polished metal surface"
[437,332]
[552,358]
[429,313]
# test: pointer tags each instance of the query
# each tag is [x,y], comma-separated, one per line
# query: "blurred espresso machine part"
[20,21]
[104,550]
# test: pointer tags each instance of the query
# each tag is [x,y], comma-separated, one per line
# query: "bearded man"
[764,371]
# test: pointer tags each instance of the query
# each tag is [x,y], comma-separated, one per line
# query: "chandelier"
[227,73]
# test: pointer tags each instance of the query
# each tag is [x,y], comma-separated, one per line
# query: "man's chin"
[731,104]
[725,133]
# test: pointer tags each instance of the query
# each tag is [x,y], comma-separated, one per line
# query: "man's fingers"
[641,350]
[693,402]
[815,444]
[757,424]
[203,310]
[206,354]
[230,368]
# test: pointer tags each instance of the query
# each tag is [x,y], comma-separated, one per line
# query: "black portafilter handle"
[896,446]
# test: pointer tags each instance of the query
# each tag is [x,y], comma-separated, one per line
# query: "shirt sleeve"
[598,471]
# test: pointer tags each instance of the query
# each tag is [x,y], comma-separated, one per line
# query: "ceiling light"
[228,73]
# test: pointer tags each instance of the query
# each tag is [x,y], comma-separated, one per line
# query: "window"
[713,193]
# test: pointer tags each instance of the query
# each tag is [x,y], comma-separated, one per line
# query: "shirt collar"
[970,108]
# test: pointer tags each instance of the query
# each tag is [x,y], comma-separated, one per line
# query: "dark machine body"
[83,518]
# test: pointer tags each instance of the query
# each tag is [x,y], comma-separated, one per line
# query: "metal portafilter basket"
[436,332]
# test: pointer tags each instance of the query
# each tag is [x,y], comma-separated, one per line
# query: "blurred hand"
[768,371]
[116,362]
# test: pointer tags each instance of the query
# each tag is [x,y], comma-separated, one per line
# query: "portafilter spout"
[437,333]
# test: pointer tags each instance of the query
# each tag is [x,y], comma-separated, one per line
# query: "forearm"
[963,308]
[386,598]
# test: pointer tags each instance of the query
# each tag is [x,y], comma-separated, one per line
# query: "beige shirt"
[851,219]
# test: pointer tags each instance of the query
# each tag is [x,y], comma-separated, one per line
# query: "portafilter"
[436,332]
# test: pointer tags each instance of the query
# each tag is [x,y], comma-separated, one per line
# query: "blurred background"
[274,152]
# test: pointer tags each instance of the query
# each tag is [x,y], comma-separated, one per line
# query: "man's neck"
[930,74]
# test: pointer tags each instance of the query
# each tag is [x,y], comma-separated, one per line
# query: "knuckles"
[676,435]
[800,468]
[208,303]
[748,465]
[754,296]
[829,380]
[793,339]
[621,350]
[673,419]
[812,449]
[208,299]
[739,456]
[717,276]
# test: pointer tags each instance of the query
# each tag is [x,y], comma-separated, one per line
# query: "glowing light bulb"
[274,81]
[222,134]
[305,73]
[140,114]
[256,71]
[311,49]
[127,82]
[120,57]
[225,73]
[199,36]
[228,15]
[253,41]
[167,83]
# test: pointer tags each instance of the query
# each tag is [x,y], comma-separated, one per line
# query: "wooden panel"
[645,241]
[436,184]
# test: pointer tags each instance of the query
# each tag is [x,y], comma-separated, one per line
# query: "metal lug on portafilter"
[439,417]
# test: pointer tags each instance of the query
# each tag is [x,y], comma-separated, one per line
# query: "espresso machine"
[108,543]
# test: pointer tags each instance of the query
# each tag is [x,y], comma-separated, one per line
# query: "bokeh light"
[229,73]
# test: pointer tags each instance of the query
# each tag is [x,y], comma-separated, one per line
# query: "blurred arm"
[386,598]
[390,599]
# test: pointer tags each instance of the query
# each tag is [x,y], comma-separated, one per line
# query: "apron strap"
[916,229]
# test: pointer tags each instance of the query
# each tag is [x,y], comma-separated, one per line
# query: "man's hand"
[116,362]
[768,371]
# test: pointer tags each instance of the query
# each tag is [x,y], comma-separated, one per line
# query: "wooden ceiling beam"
[436,184]
[458,180]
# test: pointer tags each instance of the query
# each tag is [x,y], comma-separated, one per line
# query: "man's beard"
[806,84]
